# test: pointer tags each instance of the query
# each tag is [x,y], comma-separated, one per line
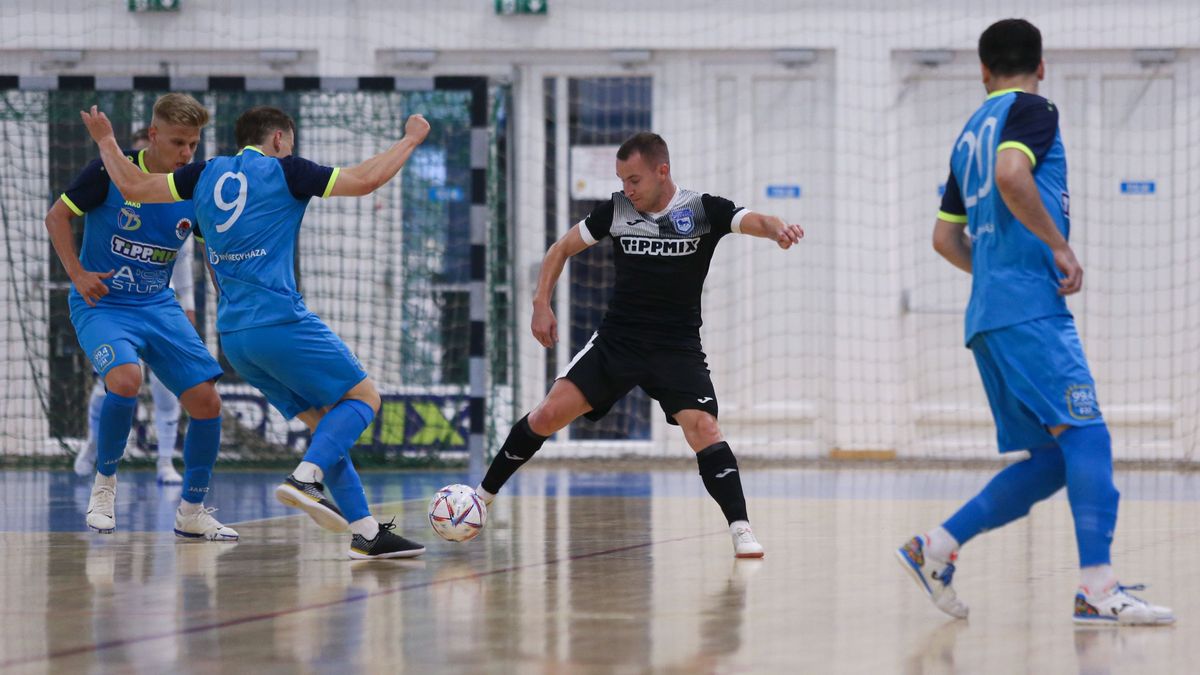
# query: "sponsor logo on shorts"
[128,220]
[183,228]
[147,253]
[1081,402]
[214,258]
[662,247]
[682,220]
[103,357]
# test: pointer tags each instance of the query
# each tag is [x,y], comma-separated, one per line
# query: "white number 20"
[237,205]
[980,159]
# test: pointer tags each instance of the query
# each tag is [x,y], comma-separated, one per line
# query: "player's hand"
[97,124]
[545,326]
[91,285]
[1072,281]
[191,315]
[788,235]
[416,128]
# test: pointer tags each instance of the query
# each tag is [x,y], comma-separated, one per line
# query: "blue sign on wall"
[447,193]
[1137,187]
[783,192]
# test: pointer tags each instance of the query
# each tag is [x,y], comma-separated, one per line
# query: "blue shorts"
[297,366]
[1036,378]
[159,334]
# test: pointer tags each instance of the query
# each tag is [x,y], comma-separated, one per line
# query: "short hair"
[649,145]
[181,110]
[142,134]
[257,123]
[1011,47]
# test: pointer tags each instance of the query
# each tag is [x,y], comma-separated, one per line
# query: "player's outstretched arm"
[89,284]
[1014,179]
[365,178]
[134,185]
[950,240]
[773,228]
[545,325]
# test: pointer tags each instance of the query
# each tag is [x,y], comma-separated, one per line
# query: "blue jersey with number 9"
[248,210]
[1014,278]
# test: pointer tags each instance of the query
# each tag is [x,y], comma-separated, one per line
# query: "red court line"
[266,616]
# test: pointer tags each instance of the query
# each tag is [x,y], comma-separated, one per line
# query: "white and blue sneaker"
[1115,606]
[201,526]
[932,576]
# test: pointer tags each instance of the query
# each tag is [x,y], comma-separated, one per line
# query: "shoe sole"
[914,573]
[192,536]
[290,496]
[100,530]
[1101,622]
[745,556]
[412,553]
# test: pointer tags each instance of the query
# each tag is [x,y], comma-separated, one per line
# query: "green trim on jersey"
[1002,92]
[1019,146]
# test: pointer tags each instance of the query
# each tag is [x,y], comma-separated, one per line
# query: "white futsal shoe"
[744,543]
[1117,607]
[932,576]
[201,525]
[167,475]
[101,513]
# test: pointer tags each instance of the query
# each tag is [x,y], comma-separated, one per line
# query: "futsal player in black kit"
[663,239]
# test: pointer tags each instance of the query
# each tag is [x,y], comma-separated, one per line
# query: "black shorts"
[608,367]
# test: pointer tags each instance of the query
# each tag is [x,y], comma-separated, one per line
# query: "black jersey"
[661,262]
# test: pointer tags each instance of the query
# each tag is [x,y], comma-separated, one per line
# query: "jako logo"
[663,247]
[128,220]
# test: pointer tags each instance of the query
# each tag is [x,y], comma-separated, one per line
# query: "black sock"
[517,449]
[718,470]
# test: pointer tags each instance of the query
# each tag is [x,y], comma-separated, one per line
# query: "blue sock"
[116,419]
[1088,454]
[200,447]
[346,488]
[1010,494]
[337,432]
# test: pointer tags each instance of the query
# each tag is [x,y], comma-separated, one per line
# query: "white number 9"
[236,205]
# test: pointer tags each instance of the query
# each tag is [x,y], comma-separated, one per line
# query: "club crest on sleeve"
[682,220]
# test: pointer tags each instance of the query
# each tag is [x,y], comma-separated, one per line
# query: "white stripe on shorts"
[578,356]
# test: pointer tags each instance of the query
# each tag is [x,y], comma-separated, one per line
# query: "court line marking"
[266,616]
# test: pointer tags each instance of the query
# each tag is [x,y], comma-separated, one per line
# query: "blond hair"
[181,110]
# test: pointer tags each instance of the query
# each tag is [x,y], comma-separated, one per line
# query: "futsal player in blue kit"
[1008,190]
[124,311]
[249,208]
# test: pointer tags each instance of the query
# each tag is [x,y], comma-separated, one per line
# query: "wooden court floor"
[595,573]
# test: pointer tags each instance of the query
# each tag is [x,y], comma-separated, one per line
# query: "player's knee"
[124,380]
[202,401]
[548,418]
[703,428]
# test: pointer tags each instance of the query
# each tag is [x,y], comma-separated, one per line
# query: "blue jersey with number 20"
[248,209]
[1014,278]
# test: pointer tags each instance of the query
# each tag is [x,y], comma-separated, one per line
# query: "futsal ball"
[457,513]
